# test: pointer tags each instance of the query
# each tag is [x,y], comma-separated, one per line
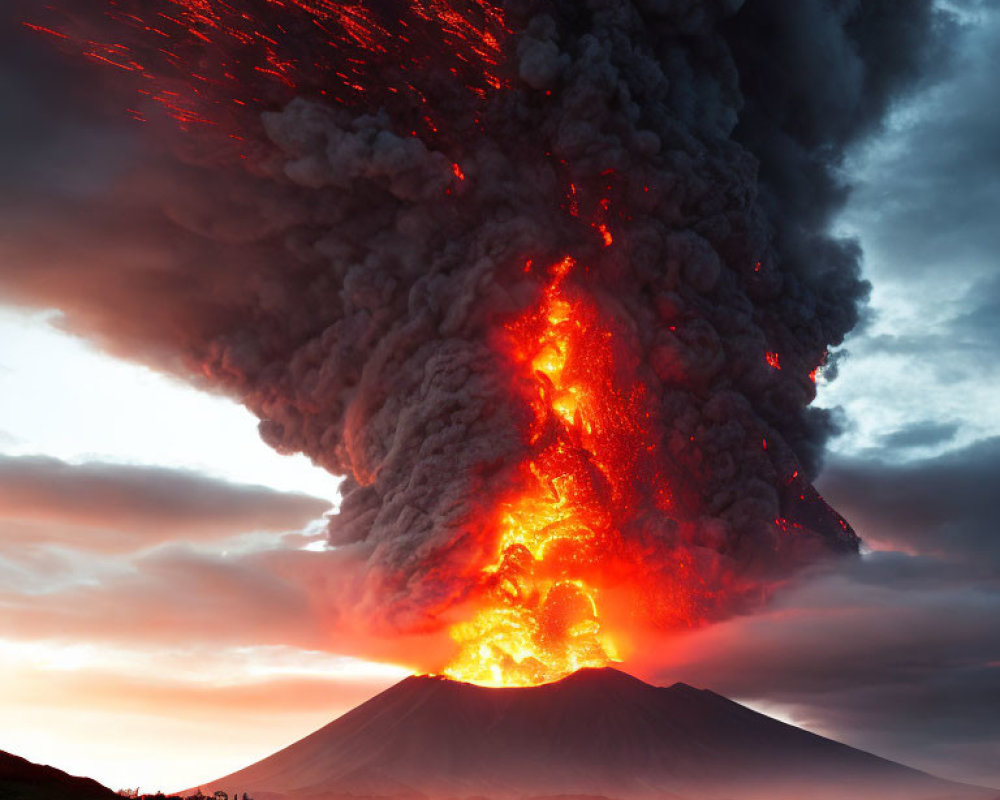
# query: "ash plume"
[342,269]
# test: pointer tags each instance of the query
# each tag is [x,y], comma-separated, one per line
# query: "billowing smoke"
[341,257]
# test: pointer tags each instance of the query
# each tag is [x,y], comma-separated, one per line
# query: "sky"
[163,598]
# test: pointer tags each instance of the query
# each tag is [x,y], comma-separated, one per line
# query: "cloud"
[981,322]
[171,596]
[945,506]
[897,652]
[930,186]
[920,434]
[193,698]
[897,655]
[126,507]
[178,596]
[923,207]
[169,716]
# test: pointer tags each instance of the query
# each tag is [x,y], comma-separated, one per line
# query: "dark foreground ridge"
[596,733]
[22,780]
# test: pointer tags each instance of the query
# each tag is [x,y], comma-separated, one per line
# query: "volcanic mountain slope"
[597,732]
[20,779]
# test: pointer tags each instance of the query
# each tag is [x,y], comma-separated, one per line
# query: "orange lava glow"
[541,617]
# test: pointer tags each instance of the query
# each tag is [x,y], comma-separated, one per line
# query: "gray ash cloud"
[346,284]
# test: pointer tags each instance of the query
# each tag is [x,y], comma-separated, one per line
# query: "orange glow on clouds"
[163,719]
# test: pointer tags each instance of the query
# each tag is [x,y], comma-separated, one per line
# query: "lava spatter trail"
[217,63]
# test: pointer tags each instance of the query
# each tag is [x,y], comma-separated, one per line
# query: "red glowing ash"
[207,61]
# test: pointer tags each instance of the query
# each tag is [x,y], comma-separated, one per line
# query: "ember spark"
[219,62]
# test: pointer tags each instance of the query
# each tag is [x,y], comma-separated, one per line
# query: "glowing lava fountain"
[588,441]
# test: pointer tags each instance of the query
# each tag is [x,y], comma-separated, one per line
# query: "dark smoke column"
[347,277]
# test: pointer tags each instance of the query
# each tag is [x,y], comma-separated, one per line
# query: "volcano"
[596,733]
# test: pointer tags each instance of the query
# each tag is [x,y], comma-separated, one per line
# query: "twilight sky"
[162,583]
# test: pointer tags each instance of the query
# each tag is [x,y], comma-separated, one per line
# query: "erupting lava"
[335,236]
[588,437]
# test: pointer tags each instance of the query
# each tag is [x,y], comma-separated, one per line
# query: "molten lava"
[588,438]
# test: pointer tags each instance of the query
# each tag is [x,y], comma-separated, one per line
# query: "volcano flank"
[598,732]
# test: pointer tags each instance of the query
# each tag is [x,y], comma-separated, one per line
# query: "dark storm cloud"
[905,687]
[811,90]
[899,652]
[920,434]
[909,344]
[968,336]
[44,500]
[925,203]
[895,654]
[945,506]
[933,196]
[980,323]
